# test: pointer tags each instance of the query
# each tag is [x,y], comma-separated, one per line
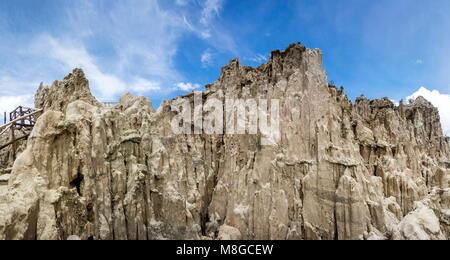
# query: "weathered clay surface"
[342,170]
[7,155]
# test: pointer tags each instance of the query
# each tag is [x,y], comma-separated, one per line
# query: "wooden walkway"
[22,120]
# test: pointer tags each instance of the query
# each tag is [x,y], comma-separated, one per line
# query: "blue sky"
[164,48]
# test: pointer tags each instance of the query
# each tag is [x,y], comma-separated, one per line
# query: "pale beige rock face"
[229,233]
[368,170]
[4,184]
[7,156]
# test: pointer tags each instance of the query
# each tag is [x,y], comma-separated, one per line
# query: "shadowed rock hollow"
[342,170]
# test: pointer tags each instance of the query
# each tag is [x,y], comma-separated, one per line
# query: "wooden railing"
[20,119]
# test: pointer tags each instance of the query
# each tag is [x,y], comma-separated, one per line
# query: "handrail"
[13,141]
[4,130]
[21,118]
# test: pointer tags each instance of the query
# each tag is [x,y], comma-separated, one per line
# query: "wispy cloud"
[182,2]
[118,51]
[204,24]
[106,86]
[143,86]
[206,58]
[75,56]
[258,58]
[187,86]
[211,9]
[13,86]
[122,47]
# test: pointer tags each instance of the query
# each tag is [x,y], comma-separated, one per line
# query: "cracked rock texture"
[341,170]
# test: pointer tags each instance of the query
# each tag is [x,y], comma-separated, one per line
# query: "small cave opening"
[354,129]
[76,183]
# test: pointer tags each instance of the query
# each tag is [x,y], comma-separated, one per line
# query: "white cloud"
[210,10]
[142,86]
[104,85]
[203,25]
[439,100]
[206,58]
[187,86]
[205,34]
[395,102]
[146,41]
[10,86]
[258,58]
[9,103]
[182,2]
[110,45]
[76,56]
[119,52]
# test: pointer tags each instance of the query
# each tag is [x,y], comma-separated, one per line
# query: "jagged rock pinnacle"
[75,86]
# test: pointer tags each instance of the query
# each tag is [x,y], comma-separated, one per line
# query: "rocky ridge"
[342,170]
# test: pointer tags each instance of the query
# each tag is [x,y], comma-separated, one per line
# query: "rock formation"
[341,170]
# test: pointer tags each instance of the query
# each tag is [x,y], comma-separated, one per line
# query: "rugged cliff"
[340,170]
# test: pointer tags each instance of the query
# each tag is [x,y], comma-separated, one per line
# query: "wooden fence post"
[13,137]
